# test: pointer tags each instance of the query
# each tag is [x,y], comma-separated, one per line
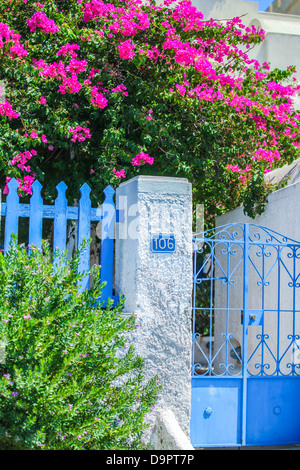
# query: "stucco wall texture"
[158,286]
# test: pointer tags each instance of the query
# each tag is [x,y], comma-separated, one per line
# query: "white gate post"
[157,287]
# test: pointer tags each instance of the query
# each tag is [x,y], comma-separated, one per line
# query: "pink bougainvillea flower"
[120,173]
[266,155]
[21,159]
[126,50]
[6,190]
[26,183]
[149,117]
[120,88]
[181,89]
[142,157]
[80,133]
[98,100]
[8,36]
[76,66]
[39,19]
[70,85]
[43,100]
[69,49]
[7,110]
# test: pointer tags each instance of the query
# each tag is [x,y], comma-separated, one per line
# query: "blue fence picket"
[84,232]
[60,218]
[12,213]
[107,242]
[36,215]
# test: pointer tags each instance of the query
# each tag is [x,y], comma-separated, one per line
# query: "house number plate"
[163,243]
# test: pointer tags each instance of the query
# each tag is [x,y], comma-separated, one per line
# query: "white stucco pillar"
[157,286]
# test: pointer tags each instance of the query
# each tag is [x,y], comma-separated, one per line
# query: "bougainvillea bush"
[70,378]
[99,91]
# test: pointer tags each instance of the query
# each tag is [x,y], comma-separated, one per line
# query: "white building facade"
[281,47]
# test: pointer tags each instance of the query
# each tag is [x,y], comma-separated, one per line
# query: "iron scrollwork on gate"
[246,277]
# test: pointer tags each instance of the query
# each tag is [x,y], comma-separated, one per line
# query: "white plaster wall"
[281,213]
[158,287]
[227,9]
[168,435]
[287,6]
[281,47]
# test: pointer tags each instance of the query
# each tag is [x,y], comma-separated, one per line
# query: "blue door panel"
[273,410]
[216,411]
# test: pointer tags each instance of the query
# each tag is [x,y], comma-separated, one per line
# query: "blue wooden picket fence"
[60,212]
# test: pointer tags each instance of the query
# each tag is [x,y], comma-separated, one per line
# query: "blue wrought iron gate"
[246,338]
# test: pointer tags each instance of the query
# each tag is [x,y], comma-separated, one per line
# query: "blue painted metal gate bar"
[246,342]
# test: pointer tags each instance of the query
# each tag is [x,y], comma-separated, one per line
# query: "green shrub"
[69,379]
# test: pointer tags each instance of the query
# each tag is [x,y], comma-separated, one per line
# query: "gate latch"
[253,317]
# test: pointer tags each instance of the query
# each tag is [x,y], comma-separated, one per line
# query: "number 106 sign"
[163,243]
